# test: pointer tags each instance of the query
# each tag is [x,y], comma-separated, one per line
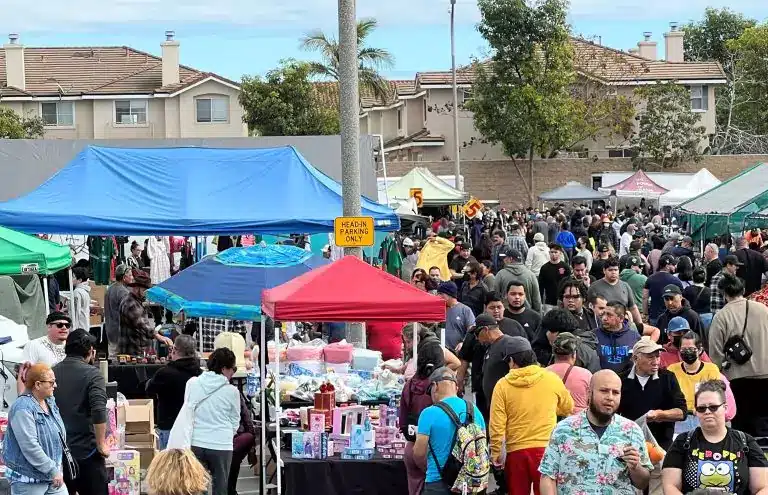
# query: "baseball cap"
[666,259]
[645,346]
[538,237]
[603,248]
[484,321]
[635,261]
[565,344]
[508,252]
[448,288]
[441,374]
[678,324]
[407,242]
[514,345]
[674,236]
[732,259]
[671,290]
[687,239]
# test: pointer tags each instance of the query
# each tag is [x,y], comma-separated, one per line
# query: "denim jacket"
[32,446]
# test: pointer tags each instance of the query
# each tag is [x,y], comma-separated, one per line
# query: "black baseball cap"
[671,290]
[484,320]
[667,259]
[732,259]
[603,248]
[57,316]
[514,345]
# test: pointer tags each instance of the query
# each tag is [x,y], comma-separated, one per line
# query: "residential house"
[117,93]
[416,121]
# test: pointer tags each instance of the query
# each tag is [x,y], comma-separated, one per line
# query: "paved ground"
[247,482]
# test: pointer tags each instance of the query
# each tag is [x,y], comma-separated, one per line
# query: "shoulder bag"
[180,436]
[736,349]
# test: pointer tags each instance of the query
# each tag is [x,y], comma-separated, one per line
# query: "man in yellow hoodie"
[524,410]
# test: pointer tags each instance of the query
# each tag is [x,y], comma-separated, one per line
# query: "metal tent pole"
[264,407]
[45,291]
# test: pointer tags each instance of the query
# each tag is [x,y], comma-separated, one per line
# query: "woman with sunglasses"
[33,444]
[713,455]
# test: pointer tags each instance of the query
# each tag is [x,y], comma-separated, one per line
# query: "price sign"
[30,268]
[417,194]
[472,208]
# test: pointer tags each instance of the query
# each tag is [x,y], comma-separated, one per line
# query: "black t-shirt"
[528,319]
[494,367]
[473,351]
[720,465]
[599,430]
[597,268]
[549,281]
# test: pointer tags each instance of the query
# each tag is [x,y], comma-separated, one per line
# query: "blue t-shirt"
[436,424]
[655,285]
[458,320]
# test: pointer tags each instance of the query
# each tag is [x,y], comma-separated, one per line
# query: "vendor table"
[337,476]
[298,403]
[132,378]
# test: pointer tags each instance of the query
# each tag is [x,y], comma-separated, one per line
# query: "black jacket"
[691,316]
[168,386]
[81,395]
[754,265]
[661,392]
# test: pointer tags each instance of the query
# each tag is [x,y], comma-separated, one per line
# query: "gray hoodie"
[518,271]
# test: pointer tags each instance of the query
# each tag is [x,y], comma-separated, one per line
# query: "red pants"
[522,471]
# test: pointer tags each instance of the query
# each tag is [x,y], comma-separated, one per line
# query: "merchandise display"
[125,466]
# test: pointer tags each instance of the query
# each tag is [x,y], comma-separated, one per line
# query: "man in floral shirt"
[596,452]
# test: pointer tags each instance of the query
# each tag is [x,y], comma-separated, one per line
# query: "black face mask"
[689,356]
[676,341]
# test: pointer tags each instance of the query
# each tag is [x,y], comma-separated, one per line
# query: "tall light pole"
[457,160]
[349,114]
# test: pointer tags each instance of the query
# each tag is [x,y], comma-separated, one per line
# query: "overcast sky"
[234,37]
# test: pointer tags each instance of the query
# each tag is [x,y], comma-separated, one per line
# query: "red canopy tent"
[350,290]
[637,185]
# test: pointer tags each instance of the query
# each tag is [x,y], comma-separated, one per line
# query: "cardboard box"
[134,438]
[139,416]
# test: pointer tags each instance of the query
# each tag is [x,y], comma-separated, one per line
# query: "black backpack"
[742,438]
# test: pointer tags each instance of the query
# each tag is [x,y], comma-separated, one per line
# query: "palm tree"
[371,60]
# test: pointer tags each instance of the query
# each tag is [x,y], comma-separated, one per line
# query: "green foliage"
[14,126]
[284,103]
[669,132]
[371,60]
[707,40]
[751,73]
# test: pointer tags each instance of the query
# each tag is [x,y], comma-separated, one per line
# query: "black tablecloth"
[337,476]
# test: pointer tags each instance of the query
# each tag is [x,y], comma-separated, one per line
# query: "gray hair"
[741,242]
[712,247]
[185,346]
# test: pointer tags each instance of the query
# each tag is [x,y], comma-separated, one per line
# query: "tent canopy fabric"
[229,284]
[185,191]
[638,185]
[327,294]
[573,191]
[17,249]
[435,192]
[728,206]
[702,181]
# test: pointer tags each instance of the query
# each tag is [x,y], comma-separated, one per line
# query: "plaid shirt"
[212,327]
[518,242]
[717,298]
[136,329]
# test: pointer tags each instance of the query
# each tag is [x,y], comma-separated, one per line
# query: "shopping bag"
[650,441]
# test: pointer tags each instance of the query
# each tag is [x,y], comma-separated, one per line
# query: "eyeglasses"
[713,408]
[438,380]
[62,325]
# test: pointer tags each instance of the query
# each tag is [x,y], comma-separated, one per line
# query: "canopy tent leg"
[264,407]
[277,408]
[45,291]
[200,333]
[414,342]
[71,293]
[442,337]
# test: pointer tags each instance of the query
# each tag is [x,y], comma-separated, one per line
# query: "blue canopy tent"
[185,191]
[229,285]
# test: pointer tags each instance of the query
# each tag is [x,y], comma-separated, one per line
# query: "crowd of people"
[602,353]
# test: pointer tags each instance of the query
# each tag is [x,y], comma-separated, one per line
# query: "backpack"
[469,462]
[742,438]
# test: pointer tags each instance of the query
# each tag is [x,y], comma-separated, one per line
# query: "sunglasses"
[62,325]
[438,380]
[713,408]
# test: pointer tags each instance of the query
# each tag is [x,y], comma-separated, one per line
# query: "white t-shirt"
[42,350]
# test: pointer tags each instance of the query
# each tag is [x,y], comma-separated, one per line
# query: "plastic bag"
[650,440]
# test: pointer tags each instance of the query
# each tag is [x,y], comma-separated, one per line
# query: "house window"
[58,113]
[425,109]
[399,119]
[130,112]
[620,153]
[700,98]
[465,96]
[213,110]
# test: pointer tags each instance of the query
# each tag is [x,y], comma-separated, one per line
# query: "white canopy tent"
[435,191]
[702,181]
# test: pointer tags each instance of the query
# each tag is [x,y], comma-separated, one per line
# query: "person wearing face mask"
[677,327]
[690,372]
[81,395]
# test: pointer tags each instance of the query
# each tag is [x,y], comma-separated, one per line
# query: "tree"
[707,40]
[521,98]
[285,103]
[371,60]
[749,84]
[14,126]
[669,132]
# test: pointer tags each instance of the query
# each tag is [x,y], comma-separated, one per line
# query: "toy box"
[309,445]
[317,422]
[346,417]
[125,466]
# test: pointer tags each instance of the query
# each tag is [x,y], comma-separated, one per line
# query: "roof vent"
[647,35]
[674,26]
[169,35]
[13,38]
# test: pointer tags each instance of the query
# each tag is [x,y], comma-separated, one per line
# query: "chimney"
[170,49]
[673,41]
[647,47]
[14,62]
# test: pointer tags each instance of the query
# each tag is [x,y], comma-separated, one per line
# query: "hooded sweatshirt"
[615,348]
[415,399]
[636,282]
[168,386]
[537,257]
[524,409]
[519,272]
[586,356]
[81,316]
[218,417]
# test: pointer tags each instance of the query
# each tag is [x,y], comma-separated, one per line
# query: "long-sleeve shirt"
[136,329]
[518,242]
[81,313]
[435,253]
[716,296]
[160,263]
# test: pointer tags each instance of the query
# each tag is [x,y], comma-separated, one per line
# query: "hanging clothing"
[390,257]
[201,248]
[224,242]
[160,264]
[101,250]
[435,253]
[187,254]
[336,252]
[247,240]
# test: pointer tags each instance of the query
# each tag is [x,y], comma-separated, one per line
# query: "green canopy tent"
[729,206]
[22,254]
